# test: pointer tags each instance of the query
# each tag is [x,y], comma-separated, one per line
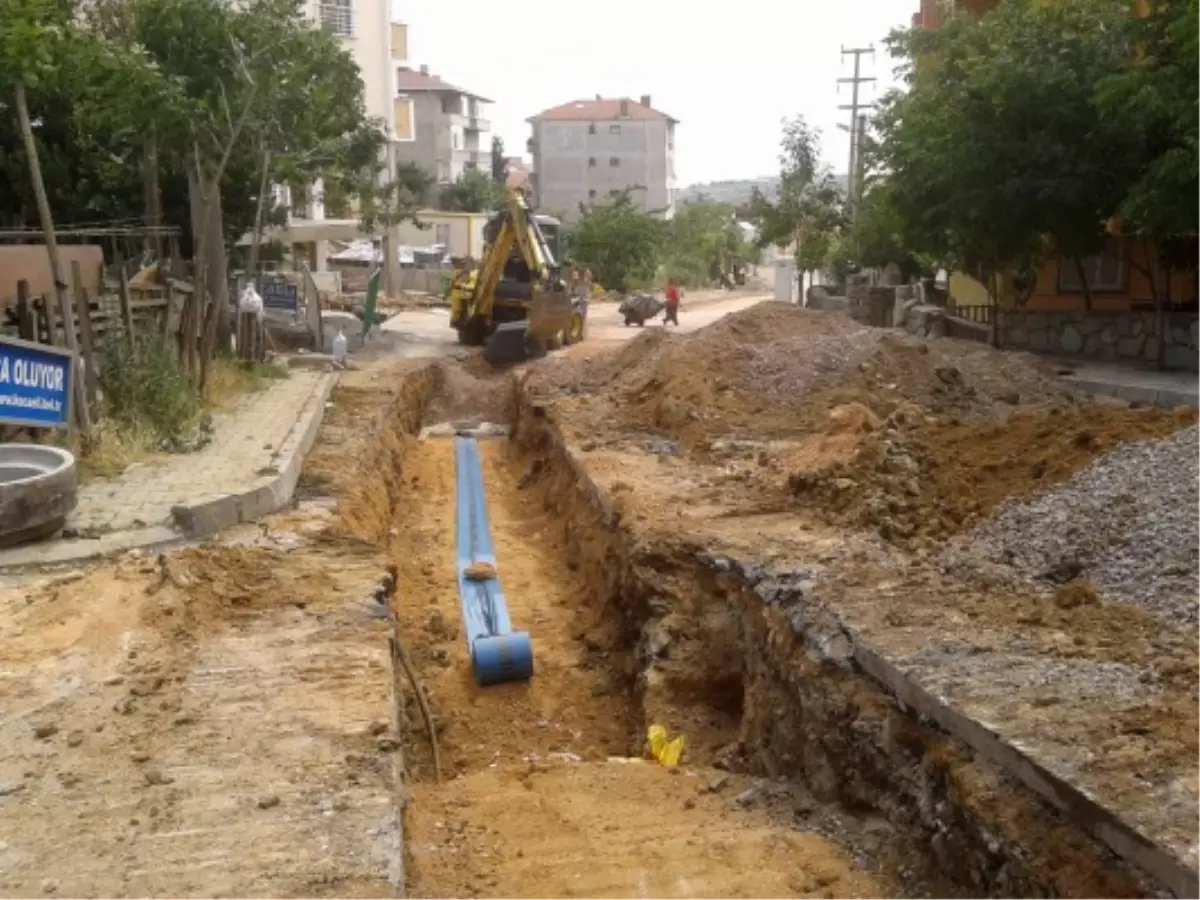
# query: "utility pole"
[857,124]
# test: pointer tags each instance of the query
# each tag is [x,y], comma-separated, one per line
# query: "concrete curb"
[196,520]
[271,492]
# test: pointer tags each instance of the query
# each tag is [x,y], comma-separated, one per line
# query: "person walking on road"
[672,293]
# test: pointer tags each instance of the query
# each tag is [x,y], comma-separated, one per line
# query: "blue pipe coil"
[498,654]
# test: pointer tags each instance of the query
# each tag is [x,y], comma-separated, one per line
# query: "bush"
[146,389]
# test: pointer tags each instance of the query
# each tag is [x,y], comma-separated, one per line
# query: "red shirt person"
[672,294]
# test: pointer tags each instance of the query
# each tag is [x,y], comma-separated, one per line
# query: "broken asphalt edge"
[268,494]
[1125,839]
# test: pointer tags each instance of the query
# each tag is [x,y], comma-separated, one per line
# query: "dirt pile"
[925,481]
[773,371]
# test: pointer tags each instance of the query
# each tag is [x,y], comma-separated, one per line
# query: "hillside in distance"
[737,191]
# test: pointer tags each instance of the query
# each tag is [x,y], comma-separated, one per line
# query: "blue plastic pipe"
[498,654]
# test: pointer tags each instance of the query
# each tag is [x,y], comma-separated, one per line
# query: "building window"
[614,129]
[614,193]
[337,16]
[591,161]
[441,234]
[443,172]
[591,195]
[614,161]
[1106,271]
[591,128]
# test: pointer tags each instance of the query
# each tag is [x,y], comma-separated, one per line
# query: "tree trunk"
[1160,314]
[1083,280]
[260,209]
[199,304]
[217,326]
[153,194]
[60,286]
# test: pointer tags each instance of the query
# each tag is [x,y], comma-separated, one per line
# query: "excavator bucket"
[549,314]
[508,344]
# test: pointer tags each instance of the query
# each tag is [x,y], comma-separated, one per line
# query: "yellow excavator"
[515,302]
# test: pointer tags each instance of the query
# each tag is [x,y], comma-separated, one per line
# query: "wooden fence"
[120,312]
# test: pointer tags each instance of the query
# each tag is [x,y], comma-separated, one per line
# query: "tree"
[809,208]
[396,201]
[499,162]
[876,239]
[472,192]
[41,42]
[703,241]
[1153,98]
[998,144]
[619,242]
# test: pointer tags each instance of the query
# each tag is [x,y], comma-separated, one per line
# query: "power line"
[858,123]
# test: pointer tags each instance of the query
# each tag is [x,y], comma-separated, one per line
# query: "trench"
[802,777]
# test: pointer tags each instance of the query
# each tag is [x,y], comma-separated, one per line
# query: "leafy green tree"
[876,238]
[809,208]
[620,244]
[473,192]
[998,142]
[703,241]
[1154,99]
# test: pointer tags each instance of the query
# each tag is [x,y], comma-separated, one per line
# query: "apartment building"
[365,29]
[440,127]
[589,150]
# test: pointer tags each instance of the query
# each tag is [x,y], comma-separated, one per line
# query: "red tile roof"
[600,111]
[410,81]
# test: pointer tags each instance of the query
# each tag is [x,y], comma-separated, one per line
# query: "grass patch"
[151,406]
[231,379]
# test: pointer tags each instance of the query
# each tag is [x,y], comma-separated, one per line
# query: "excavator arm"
[535,303]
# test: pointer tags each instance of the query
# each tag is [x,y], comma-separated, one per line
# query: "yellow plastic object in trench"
[666,752]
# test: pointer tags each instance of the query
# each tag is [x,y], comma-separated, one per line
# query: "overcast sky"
[729,72]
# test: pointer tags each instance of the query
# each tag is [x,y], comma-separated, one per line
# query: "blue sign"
[280,295]
[35,384]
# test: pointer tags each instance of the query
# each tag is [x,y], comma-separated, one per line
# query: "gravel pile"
[1127,523]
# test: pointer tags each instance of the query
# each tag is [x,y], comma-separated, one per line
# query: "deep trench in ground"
[800,778]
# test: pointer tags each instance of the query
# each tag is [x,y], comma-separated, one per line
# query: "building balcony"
[480,159]
[336,18]
[468,123]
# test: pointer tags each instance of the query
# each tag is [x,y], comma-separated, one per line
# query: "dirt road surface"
[422,333]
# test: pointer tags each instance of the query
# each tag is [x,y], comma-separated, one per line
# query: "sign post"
[36,382]
[281,297]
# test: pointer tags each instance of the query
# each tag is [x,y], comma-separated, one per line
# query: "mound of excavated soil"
[774,370]
[929,481]
[859,427]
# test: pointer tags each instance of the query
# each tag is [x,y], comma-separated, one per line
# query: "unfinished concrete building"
[589,150]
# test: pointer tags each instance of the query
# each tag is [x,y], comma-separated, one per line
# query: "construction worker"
[583,288]
[672,293]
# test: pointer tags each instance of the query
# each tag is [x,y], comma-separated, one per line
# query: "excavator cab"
[516,302]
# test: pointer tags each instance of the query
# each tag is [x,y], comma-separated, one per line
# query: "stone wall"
[871,305]
[1130,337]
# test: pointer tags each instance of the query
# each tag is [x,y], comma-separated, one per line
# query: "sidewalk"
[1166,389]
[248,470]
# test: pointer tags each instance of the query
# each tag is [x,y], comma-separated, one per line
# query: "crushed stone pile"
[1126,524]
[774,370]
[918,482]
